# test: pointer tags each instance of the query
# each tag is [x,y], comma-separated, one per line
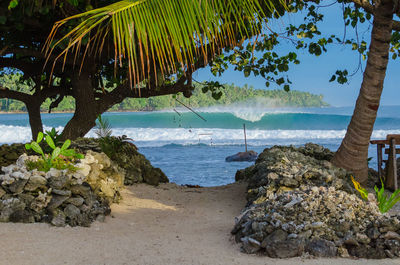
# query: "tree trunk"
[353,151]
[85,114]
[35,120]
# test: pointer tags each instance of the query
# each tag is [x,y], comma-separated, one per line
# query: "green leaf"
[28,146]
[66,144]
[13,4]
[56,153]
[68,153]
[36,147]
[79,156]
[50,142]
[39,137]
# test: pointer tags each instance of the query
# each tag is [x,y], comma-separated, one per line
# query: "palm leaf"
[161,34]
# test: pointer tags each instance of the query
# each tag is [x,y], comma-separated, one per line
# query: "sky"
[313,73]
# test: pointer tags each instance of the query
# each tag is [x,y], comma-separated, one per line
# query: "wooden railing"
[389,146]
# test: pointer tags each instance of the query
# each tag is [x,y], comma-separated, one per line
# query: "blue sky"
[313,73]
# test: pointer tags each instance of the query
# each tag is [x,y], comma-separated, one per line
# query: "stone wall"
[299,203]
[60,197]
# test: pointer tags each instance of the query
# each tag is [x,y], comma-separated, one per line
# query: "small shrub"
[59,158]
[384,203]
[58,163]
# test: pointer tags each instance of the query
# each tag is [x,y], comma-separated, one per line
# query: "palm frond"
[160,34]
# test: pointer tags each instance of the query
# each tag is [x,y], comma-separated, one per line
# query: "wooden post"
[245,140]
[393,144]
[379,149]
[391,174]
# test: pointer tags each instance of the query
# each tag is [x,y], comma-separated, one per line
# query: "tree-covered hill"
[230,94]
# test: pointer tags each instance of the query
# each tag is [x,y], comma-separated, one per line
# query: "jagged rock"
[58,219]
[35,182]
[82,190]
[285,249]
[297,202]
[250,245]
[57,182]
[77,201]
[26,198]
[66,193]
[392,235]
[2,192]
[71,211]
[8,207]
[40,202]
[373,233]
[275,237]
[321,248]
[56,201]
[21,216]
[17,186]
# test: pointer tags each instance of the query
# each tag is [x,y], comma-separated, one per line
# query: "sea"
[191,147]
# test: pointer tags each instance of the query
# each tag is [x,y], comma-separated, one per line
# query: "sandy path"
[164,225]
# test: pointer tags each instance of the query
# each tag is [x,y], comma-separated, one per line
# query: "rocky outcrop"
[137,168]
[298,203]
[60,197]
[242,156]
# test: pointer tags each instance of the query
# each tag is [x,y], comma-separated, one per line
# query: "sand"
[168,224]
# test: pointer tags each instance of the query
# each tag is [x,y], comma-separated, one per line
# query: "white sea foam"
[17,134]
[163,136]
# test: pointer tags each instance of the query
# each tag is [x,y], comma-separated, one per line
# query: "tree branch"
[369,8]
[123,91]
[26,67]
[11,94]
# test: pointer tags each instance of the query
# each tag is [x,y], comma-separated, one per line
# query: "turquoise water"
[192,150]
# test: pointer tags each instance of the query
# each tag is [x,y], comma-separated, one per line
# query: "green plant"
[384,203]
[111,145]
[55,136]
[103,128]
[59,158]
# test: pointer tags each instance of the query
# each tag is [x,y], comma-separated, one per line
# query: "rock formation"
[298,203]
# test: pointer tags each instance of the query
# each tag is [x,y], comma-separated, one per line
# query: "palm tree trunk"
[353,151]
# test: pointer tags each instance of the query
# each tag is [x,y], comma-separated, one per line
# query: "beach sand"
[162,225]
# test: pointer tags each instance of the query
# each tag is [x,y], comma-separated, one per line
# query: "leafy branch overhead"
[160,36]
[260,56]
